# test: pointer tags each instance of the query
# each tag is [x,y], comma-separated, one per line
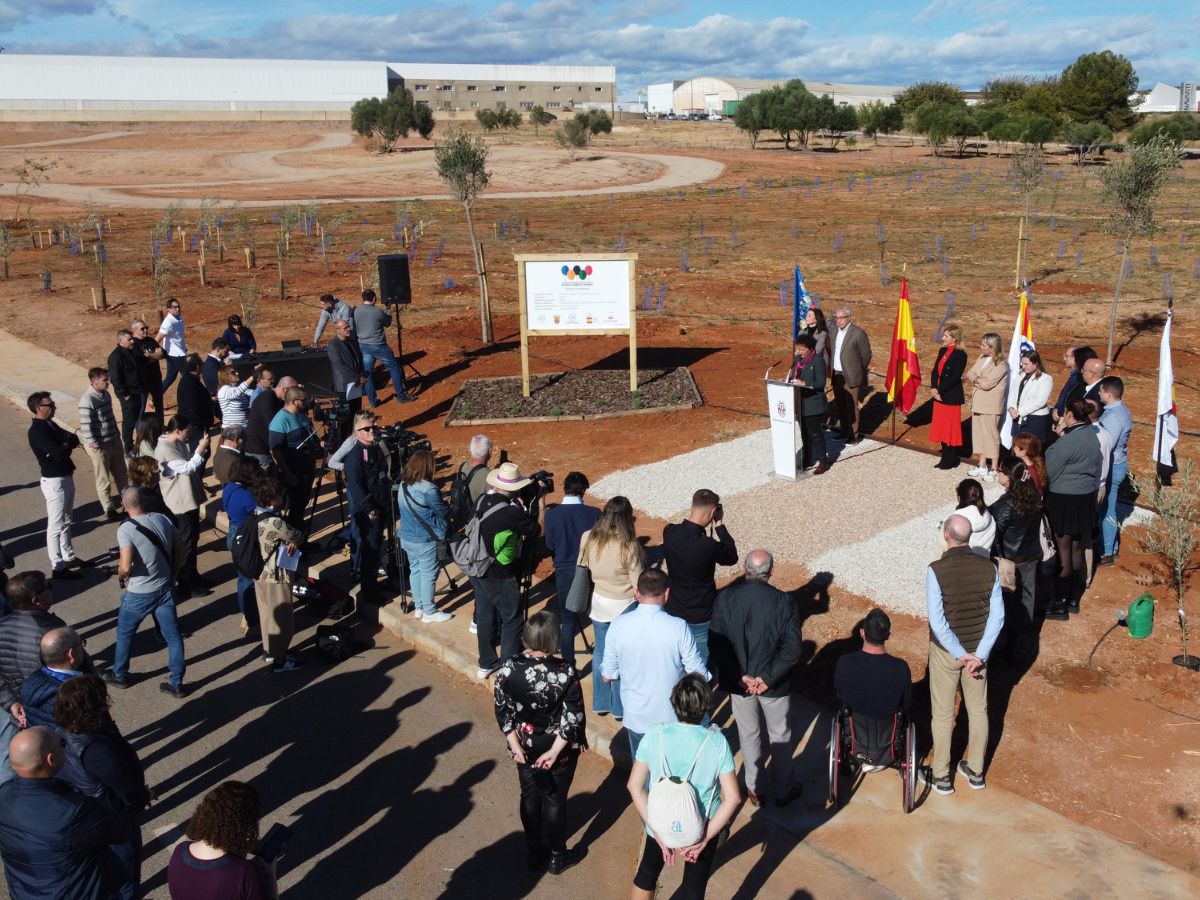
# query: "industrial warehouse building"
[710,94]
[121,87]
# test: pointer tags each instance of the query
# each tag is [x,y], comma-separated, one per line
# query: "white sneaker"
[483,674]
[474,629]
[417,613]
[989,476]
[977,472]
[434,618]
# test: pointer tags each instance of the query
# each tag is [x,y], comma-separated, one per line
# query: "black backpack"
[462,510]
[247,556]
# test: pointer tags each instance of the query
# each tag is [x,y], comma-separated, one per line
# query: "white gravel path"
[871,521]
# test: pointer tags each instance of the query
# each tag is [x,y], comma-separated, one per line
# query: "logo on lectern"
[781,409]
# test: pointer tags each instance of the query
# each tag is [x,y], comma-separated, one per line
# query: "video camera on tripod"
[397,444]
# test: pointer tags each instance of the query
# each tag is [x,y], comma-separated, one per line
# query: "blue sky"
[896,43]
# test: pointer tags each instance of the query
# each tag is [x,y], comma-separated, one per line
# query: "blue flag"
[800,302]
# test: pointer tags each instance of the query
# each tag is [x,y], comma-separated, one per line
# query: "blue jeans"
[247,605]
[700,636]
[366,547]
[132,612]
[175,365]
[1110,524]
[562,586]
[423,569]
[383,353]
[606,695]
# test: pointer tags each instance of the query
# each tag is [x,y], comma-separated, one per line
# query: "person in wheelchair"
[875,689]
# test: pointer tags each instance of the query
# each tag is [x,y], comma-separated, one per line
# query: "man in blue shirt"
[1118,422]
[649,651]
[294,448]
[565,525]
[966,613]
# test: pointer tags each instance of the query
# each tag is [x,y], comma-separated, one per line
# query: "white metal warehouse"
[64,87]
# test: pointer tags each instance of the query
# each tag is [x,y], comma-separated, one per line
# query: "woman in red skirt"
[946,386]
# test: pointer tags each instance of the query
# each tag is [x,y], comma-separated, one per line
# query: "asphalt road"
[389,768]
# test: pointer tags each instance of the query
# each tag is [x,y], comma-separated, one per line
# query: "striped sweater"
[97,425]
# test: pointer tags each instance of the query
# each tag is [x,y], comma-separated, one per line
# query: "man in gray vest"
[369,324]
[966,613]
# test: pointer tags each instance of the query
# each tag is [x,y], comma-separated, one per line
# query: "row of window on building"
[500,104]
[497,88]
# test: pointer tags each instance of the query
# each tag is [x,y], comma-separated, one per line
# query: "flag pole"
[903,274]
[1020,245]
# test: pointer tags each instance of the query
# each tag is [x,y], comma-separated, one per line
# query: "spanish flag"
[904,369]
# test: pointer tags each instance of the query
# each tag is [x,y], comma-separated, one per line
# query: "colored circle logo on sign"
[574,272]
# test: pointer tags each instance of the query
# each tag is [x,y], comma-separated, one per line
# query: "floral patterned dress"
[540,699]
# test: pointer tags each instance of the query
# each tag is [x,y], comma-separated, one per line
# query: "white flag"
[1022,341]
[1166,426]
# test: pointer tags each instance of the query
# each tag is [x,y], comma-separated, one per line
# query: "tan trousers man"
[946,676]
[108,463]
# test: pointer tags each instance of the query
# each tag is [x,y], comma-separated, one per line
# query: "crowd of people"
[663,633]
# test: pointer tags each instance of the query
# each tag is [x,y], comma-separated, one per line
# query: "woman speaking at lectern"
[809,370]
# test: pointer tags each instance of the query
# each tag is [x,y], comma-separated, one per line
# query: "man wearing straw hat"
[504,526]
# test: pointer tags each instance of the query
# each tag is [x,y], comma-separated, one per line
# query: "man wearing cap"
[504,526]
[332,310]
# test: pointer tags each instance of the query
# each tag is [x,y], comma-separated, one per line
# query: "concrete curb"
[600,731]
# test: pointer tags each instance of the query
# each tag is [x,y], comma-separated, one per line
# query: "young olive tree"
[539,117]
[1131,189]
[462,166]
[1026,170]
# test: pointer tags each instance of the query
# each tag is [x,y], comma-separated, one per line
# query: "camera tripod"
[329,446]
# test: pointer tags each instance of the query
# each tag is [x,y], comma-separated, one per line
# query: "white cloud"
[645,51]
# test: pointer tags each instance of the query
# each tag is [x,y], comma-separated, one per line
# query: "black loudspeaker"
[394,284]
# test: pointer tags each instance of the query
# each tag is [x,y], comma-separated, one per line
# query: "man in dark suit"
[851,368]
[345,364]
[213,363]
[193,401]
[126,373]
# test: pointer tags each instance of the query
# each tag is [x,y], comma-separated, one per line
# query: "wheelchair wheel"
[908,767]
[835,760]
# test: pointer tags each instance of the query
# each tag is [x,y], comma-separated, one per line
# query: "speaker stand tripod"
[400,357]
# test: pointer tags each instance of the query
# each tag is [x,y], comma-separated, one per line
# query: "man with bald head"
[258,419]
[755,643]
[53,840]
[63,658]
[966,613]
[1090,373]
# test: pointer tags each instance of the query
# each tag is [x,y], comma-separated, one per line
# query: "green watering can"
[1140,617]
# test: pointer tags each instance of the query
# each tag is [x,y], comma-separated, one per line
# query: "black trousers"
[695,875]
[188,525]
[366,547]
[497,601]
[298,495]
[544,803]
[131,412]
[175,366]
[814,439]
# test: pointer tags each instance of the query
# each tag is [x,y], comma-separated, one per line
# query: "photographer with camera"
[181,472]
[692,558]
[367,488]
[505,527]
[294,447]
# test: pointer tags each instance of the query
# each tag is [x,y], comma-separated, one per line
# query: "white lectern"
[783,401]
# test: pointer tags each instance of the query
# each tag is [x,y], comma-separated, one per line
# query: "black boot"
[949,458]
[560,862]
[1077,586]
[1057,610]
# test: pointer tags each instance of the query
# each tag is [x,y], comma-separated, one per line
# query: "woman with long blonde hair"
[613,555]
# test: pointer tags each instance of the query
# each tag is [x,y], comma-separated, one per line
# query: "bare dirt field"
[1112,744]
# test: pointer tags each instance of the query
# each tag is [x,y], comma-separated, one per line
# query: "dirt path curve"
[60,142]
[271,167]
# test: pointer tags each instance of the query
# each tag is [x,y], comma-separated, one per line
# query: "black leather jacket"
[1016,536]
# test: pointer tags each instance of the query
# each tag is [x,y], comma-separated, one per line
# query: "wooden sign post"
[561,294]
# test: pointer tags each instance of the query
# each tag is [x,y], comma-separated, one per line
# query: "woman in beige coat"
[612,554]
[989,379]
